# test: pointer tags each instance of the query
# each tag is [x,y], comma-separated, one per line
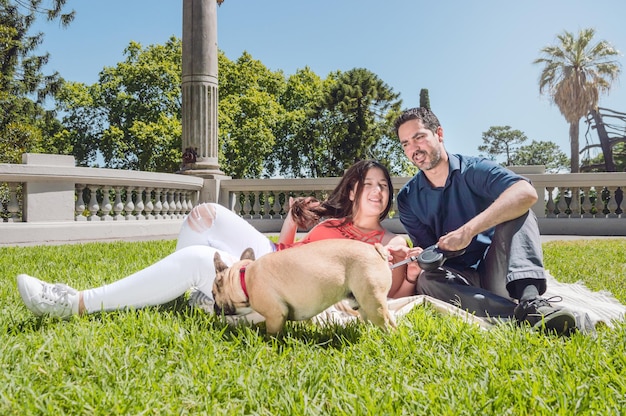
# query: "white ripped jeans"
[208,228]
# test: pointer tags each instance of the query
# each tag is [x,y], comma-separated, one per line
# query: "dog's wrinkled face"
[227,292]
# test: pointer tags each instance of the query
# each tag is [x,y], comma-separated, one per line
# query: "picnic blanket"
[590,307]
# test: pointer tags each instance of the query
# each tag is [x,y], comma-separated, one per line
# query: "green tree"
[83,121]
[424,98]
[389,152]
[543,153]
[575,72]
[131,116]
[25,125]
[295,146]
[250,115]
[268,125]
[349,121]
[502,140]
[619,156]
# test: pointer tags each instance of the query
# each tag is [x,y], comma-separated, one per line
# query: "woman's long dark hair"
[338,203]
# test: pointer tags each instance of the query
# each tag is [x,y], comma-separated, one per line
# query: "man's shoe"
[45,299]
[539,313]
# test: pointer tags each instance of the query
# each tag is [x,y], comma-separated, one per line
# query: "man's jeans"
[514,254]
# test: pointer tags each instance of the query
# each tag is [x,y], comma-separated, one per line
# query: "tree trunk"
[574,147]
[605,142]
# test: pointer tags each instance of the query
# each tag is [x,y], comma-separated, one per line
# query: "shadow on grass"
[302,332]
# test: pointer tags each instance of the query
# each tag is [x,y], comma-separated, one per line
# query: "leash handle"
[403,262]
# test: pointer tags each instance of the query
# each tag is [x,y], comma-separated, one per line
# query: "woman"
[354,210]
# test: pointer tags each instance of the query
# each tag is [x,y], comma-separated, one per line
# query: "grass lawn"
[176,360]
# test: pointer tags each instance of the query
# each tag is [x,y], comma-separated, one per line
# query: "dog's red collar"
[242,279]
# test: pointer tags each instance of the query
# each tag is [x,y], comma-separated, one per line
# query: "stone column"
[200,94]
[199,84]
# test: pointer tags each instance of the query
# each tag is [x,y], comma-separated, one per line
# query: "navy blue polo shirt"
[429,212]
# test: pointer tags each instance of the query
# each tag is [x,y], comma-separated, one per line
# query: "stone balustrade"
[263,203]
[96,202]
[46,200]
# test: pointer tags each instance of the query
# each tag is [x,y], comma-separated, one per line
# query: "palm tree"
[575,72]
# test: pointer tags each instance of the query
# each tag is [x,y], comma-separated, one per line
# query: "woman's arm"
[288,230]
[306,219]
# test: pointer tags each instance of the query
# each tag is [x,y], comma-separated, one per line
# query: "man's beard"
[434,160]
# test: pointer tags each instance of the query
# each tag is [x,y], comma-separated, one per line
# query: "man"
[460,202]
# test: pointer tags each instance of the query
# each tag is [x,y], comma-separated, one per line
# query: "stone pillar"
[48,200]
[199,84]
[200,93]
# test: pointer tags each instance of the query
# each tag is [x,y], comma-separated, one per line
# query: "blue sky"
[475,57]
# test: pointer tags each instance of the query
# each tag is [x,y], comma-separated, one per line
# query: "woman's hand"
[301,211]
[403,277]
[396,253]
[413,269]
[296,218]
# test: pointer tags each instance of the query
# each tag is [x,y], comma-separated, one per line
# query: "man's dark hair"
[427,117]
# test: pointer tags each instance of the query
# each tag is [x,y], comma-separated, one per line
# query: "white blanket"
[590,307]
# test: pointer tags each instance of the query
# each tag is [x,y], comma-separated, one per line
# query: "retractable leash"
[431,258]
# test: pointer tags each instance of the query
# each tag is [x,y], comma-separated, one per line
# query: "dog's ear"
[248,254]
[219,264]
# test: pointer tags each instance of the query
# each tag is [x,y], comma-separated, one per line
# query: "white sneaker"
[199,299]
[56,300]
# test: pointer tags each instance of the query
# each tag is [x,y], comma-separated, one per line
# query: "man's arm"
[515,201]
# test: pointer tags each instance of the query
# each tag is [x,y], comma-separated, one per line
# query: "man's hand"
[455,240]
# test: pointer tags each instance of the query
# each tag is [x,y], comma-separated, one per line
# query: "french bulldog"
[300,282]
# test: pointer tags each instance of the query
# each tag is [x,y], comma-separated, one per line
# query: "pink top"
[331,229]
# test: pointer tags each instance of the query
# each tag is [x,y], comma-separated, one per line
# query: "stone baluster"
[172,205]
[562,204]
[236,203]
[79,206]
[165,204]
[286,203]
[179,206]
[550,206]
[184,205]
[599,203]
[139,206]
[194,198]
[612,203]
[129,207]
[13,206]
[247,206]
[574,205]
[190,200]
[106,206]
[118,205]
[149,205]
[94,207]
[158,206]
[586,205]
[257,205]
[276,206]
[266,205]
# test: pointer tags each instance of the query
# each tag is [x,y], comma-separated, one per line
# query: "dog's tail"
[382,251]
